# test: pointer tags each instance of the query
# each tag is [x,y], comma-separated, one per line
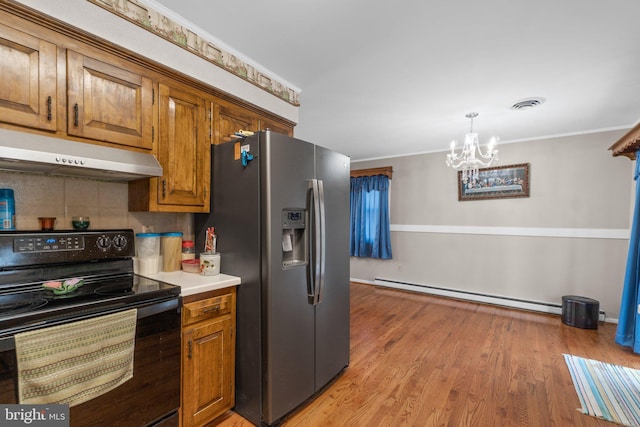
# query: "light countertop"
[192,283]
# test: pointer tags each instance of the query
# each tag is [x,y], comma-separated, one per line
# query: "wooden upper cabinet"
[27,80]
[108,103]
[228,119]
[275,126]
[57,79]
[184,148]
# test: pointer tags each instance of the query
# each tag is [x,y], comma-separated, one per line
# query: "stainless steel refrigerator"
[280,208]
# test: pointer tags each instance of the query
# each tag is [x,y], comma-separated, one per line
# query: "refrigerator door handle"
[322,235]
[315,241]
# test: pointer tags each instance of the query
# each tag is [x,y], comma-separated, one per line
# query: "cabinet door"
[228,119]
[108,103]
[275,126]
[208,366]
[28,80]
[183,149]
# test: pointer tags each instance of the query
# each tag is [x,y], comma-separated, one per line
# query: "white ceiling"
[381,78]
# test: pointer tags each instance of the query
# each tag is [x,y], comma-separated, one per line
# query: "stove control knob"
[103,242]
[120,242]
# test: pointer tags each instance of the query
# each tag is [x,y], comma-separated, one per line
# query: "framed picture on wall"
[500,182]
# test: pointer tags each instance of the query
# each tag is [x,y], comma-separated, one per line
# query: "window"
[369,229]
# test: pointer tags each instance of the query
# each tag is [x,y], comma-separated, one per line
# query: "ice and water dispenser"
[294,238]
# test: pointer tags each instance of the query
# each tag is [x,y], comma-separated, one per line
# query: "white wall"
[577,189]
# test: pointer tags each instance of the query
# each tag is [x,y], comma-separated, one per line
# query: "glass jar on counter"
[188,250]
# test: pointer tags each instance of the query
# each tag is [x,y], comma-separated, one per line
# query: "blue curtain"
[370,233]
[628,331]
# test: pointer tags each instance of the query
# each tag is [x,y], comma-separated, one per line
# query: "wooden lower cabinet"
[208,356]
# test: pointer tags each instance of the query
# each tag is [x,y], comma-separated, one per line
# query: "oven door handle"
[144,310]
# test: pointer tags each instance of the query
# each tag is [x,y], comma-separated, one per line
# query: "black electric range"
[102,259]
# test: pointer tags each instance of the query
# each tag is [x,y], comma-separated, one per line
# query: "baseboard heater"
[543,307]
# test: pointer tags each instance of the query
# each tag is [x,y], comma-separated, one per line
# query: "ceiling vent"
[527,103]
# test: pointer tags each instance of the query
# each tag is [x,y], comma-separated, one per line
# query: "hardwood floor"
[419,360]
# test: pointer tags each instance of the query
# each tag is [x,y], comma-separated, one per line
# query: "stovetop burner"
[19,303]
[113,290]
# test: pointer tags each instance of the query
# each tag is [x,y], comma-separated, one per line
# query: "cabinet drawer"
[207,308]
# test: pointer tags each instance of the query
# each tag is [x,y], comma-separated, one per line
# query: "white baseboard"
[368,282]
[539,306]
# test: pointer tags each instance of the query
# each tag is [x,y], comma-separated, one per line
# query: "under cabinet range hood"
[25,152]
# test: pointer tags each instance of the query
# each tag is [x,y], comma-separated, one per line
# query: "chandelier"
[471,158]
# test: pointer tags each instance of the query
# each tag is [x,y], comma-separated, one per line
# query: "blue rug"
[606,391]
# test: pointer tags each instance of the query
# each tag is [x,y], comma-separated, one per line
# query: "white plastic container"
[209,263]
[148,265]
[147,253]
[191,266]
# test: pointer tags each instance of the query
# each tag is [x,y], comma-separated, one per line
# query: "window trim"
[384,170]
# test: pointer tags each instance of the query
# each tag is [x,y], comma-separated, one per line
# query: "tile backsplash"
[106,203]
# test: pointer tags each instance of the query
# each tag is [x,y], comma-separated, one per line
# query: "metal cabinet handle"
[212,309]
[76,118]
[49,111]
[164,188]
[190,355]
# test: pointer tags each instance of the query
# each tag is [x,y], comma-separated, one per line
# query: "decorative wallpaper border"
[162,26]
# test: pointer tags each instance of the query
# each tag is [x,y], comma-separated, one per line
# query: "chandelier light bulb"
[471,157]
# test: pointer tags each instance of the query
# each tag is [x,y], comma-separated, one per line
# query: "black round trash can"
[581,312]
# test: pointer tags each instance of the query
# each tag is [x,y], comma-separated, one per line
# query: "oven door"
[151,397]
